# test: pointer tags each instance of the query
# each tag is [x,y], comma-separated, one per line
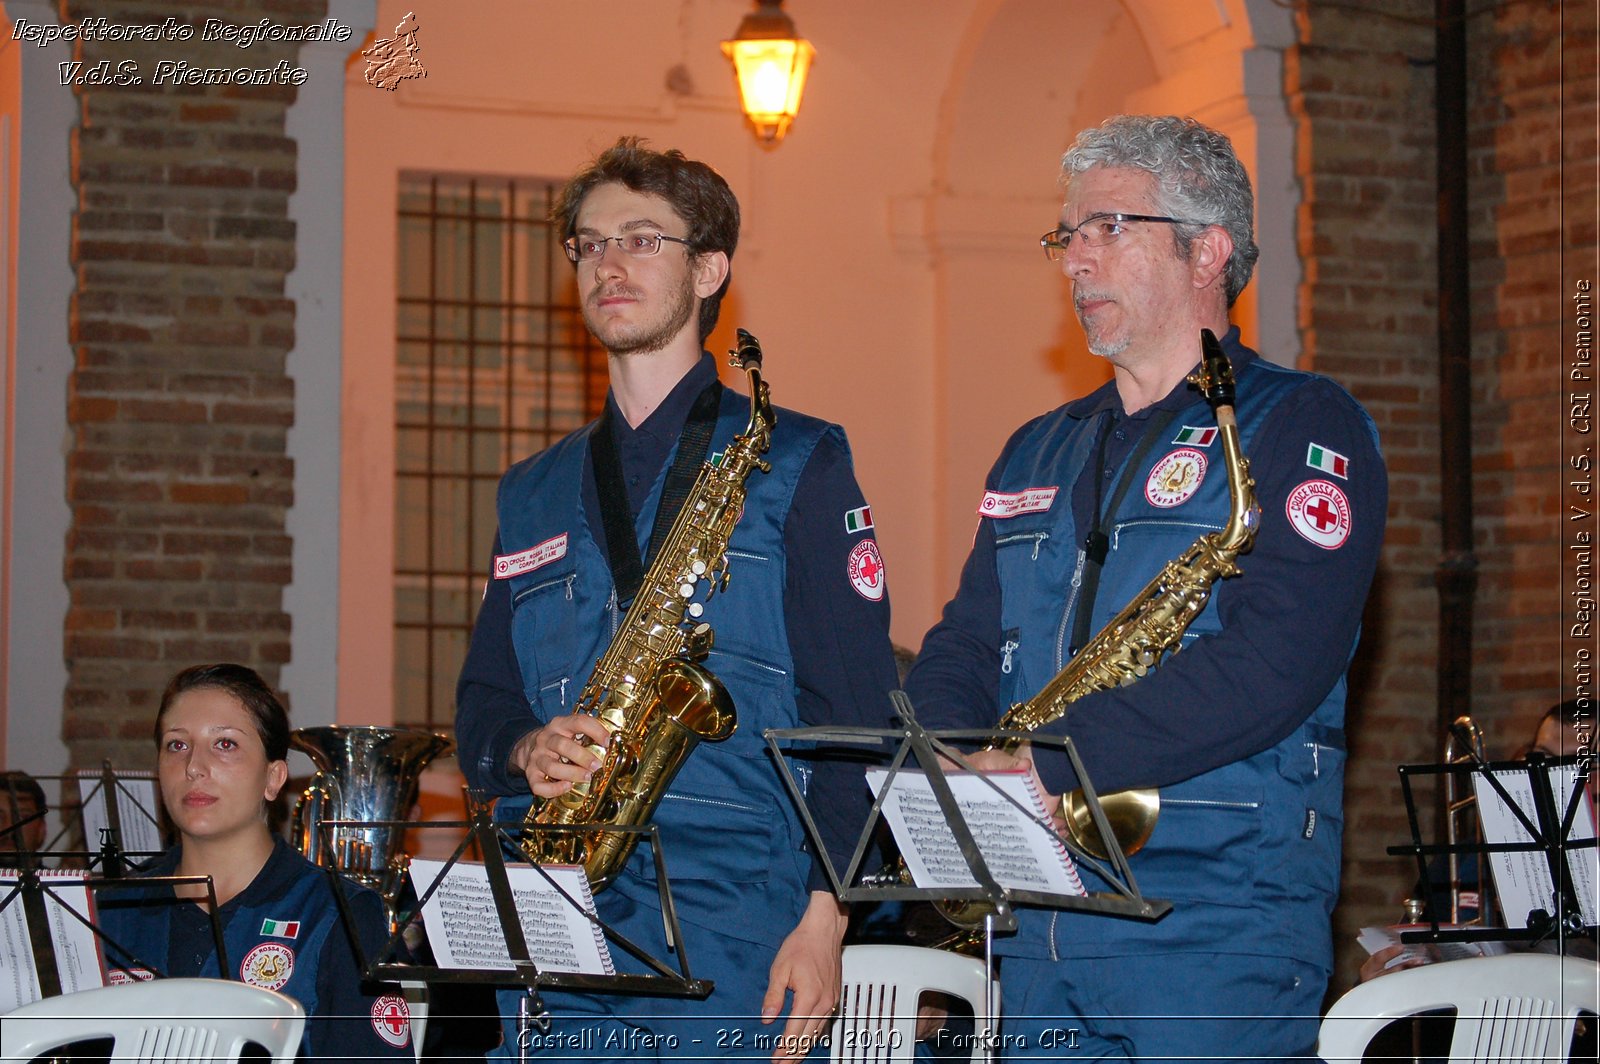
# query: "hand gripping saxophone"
[1149,628]
[648,688]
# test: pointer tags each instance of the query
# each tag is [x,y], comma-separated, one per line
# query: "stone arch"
[1006,347]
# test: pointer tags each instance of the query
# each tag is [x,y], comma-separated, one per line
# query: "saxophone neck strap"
[616,512]
[1097,544]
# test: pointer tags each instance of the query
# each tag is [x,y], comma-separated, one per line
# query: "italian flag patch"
[280,928]
[1196,435]
[1320,458]
[858,520]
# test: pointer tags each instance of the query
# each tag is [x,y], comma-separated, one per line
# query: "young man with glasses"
[1241,732]
[801,632]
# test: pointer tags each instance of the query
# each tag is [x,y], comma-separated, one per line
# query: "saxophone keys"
[686,589]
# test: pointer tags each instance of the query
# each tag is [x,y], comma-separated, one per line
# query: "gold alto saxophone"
[1147,629]
[648,688]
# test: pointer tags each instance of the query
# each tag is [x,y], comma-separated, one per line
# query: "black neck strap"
[1097,544]
[616,512]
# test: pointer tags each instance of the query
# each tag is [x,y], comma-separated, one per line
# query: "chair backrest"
[1512,1007]
[877,1018]
[165,1019]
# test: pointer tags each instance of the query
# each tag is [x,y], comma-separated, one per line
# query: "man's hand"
[808,964]
[557,755]
[1000,761]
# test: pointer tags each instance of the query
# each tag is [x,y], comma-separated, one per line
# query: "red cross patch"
[1319,511]
[865,569]
[391,1019]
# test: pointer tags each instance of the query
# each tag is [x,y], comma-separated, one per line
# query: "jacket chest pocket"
[544,633]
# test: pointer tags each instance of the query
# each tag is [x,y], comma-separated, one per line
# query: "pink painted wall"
[889,260]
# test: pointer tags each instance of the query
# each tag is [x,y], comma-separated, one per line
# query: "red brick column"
[1361,91]
[179,403]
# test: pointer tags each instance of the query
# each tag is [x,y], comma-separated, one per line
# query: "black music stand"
[910,740]
[35,885]
[491,838]
[1549,832]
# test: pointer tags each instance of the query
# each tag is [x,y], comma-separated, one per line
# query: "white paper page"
[137,807]
[1523,879]
[464,929]
[1021,853]
[77,956]
[19,982]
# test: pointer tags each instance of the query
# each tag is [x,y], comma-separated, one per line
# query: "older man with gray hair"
[1241,734]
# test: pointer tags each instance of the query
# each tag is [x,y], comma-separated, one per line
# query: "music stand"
[490,837]
[912,741]
[1549,832]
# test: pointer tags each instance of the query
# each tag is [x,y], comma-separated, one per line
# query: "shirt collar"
[1107,398]
[665,423]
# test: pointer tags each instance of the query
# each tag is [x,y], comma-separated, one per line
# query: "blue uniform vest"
[253,956]
[1248,854]
[733,842]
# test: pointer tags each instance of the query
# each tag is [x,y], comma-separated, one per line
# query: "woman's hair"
[245,684]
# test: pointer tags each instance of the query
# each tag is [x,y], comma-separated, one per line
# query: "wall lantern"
[770,60]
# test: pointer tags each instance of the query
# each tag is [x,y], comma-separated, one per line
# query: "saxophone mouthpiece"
[747,355]
[1215,379]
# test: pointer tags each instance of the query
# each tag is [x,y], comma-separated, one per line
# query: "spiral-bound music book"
[553,901]
[1011,828]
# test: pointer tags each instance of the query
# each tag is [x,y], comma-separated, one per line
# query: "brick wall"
[179,404]
[1361,90]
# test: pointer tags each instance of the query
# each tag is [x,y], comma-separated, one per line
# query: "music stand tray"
[489,836]
[1549,836]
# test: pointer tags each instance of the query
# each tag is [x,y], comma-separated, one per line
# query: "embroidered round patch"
[1175,478]
[268,966]
[391,1019]
[1319,511]
[866,570]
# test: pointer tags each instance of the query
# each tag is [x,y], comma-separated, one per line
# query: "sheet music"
[464,929]
[1022,853]
[137,807]
[77,954]
[1523,878]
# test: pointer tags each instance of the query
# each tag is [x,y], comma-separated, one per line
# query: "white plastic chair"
[165,1019]
[877,1018]
[1512,1007]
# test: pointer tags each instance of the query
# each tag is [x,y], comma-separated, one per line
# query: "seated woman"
[222,739]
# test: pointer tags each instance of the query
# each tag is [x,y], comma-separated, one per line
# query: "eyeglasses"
[638,245]
[1096,231]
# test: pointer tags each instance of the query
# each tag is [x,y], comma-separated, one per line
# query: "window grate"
[493,363]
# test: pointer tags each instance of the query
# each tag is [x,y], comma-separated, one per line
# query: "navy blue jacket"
[1243,729]
[796,641]
[282,932]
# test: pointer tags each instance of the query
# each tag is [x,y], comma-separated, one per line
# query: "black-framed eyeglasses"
[1096,231]
[639,245]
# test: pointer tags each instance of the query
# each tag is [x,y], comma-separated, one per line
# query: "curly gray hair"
[1198,177]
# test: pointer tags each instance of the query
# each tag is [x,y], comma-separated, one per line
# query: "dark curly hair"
[695,191]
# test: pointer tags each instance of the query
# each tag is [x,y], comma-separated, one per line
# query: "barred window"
[493,363]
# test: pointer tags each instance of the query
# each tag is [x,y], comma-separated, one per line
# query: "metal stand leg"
[531,1016]
[991,1006]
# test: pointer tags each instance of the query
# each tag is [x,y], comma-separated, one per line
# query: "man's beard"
[620,338]
[1097,344]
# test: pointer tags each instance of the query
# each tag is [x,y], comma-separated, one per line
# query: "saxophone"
[1147,629]
[648,688]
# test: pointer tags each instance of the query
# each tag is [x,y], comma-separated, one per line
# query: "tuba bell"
[368,774]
